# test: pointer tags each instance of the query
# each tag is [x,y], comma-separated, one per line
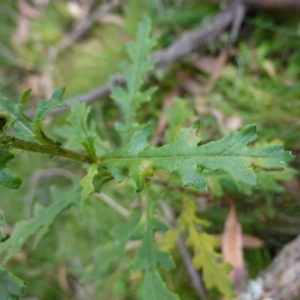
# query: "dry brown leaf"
[190,84]
[63,280]
[292,186]
[206,63]
[232,247]
[249,241]
[212,65]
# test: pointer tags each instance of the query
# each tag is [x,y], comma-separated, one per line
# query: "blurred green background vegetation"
[257,81]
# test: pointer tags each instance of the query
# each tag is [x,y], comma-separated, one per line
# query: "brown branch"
[191,41]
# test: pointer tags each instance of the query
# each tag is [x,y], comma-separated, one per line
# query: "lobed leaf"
[46,106]
[267,181]
[25,127]
[154,288]
[149,257]
[22,124]
[108,252]
[185,157]
[177,115]
[215,270]
[44,218]
[11,287]
[130,98]
[78,120]
[87,182]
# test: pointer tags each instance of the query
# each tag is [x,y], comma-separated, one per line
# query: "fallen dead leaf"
[189,84]
[213,65]
[292,186]
[248,241]
[232,247]
[63,280]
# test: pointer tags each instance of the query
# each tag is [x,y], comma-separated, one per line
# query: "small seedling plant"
[184,156]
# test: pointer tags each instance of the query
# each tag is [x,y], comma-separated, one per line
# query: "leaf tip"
[196,125]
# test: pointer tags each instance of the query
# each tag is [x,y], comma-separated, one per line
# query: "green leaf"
[78,120]
[154,288]
[185,157]
[215,270]
[26,128]
[267,181]
[130,98]
[176,116]
[22,124]
[270,181]
[149,257]
[43,220]
[25,97]
[46,106]
[106,254]
[11,287]
[100,179]
[87,182]
[7,178]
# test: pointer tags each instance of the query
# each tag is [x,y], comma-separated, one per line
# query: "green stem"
[14,143]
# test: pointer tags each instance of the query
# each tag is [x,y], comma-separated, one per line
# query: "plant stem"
[9,142]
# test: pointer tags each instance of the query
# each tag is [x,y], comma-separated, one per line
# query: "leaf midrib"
[185,157]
